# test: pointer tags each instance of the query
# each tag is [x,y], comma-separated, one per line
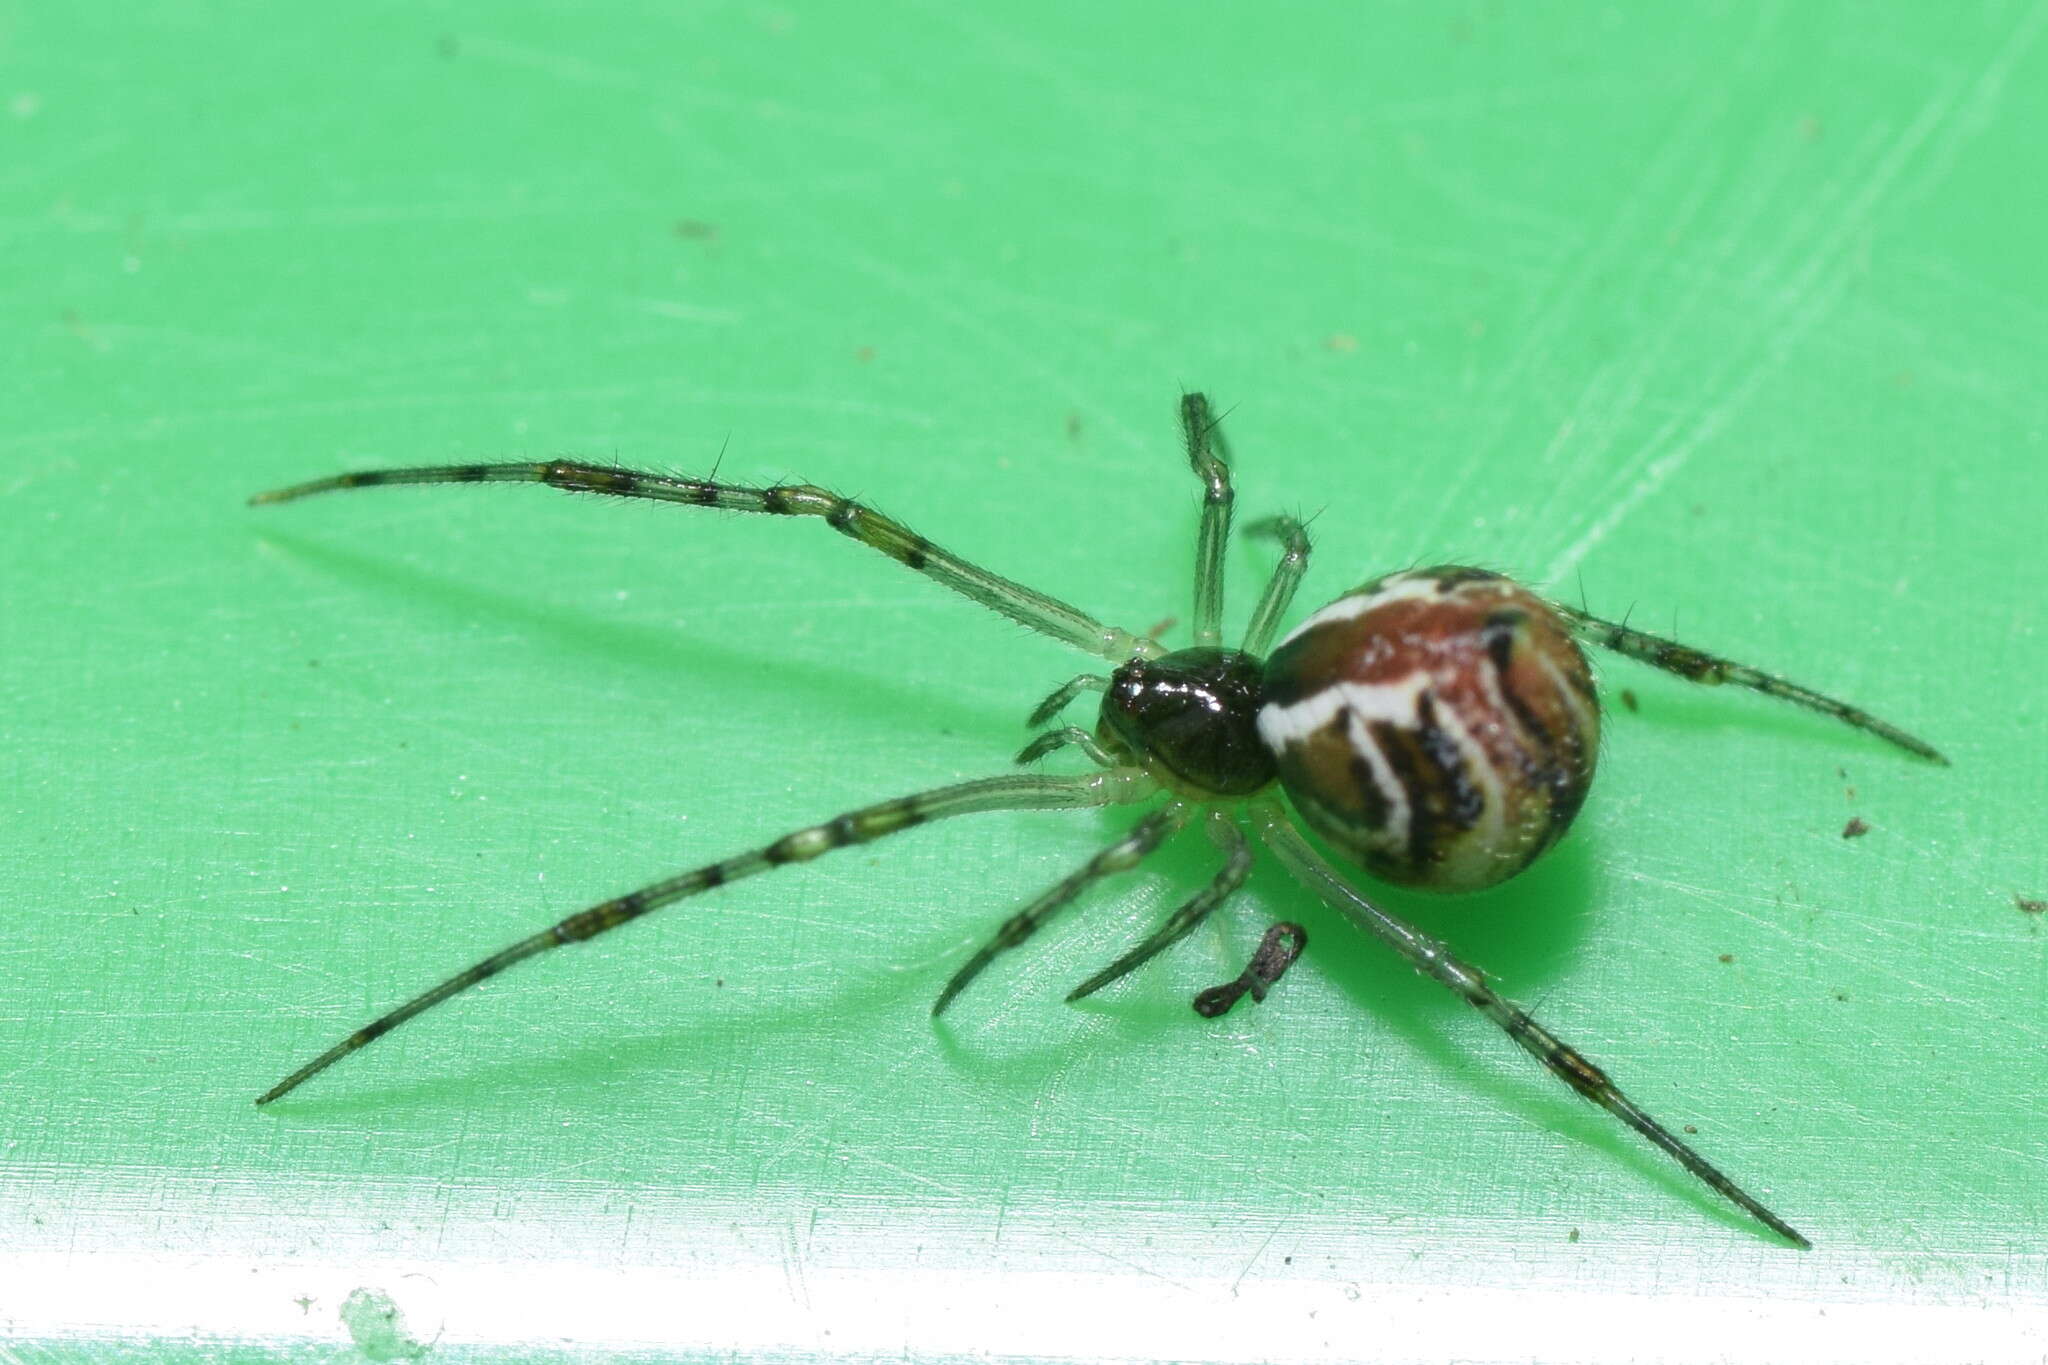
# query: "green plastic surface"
[1731,315]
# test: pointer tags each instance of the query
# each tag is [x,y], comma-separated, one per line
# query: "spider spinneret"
[1439,727]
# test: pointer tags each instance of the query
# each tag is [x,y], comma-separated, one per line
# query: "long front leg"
[1034,610]
[1698,666]
[1431,958]
[855,827]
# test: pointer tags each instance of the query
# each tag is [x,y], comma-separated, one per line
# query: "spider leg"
[1121,856]
[1060,696]
[1237,864]
[1276,952]
[1206,453]
[1280,587]
[1031,609]
[1059,739]
[855,827]
[1431,958]
[1700,667]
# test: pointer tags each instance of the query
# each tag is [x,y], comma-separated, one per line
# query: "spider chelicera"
[1437,726]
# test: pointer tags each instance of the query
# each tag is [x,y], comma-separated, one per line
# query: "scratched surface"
[1732,317]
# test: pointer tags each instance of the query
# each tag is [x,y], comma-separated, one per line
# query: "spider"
[1438,726]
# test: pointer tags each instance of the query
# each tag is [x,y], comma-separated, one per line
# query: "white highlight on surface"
[749,1308]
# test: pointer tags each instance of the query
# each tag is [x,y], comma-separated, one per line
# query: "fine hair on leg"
[1123,855]
[1279,593]
[1020,792]
[1431,958]
[1698,666]
[1206,453]
[1237,865]
[1031,609]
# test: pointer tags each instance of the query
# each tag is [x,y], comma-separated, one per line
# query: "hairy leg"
[1698,666]
[1273,603]
[855,827]
[1034,610]
[1432,959]
[1205,453]
[1121,856]
[1237,865]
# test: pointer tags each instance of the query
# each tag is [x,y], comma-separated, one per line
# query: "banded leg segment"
[1431,958]
[1205,452]
[1121,856]
[855,827]
[1237,865]
[1698,666]
[1279,594]
[1031,609]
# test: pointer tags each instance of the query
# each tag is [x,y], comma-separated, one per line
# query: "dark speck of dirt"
[720,982]
[1727,957]
[1628,699]
[1572,1236]
[1842,996]
[1692,1130]
[2030,907]
[1855,829]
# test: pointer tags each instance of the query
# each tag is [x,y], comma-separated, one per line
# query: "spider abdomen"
[1439,726]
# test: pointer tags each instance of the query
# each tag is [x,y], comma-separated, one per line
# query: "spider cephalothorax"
[1439,727]
[1191,719]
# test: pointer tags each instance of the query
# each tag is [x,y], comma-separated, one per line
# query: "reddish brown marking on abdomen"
[1440,726]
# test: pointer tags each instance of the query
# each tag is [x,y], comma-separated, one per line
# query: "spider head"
[1190,719]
